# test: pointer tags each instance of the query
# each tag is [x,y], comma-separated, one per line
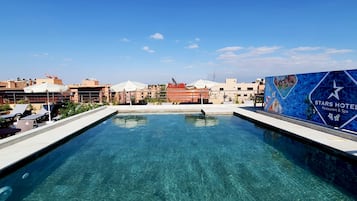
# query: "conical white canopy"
[128,86]
[201,84]
[46,87]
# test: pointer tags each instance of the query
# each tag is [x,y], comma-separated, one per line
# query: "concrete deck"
[337,143]
[17,148]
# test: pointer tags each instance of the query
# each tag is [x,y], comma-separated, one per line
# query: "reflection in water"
[330,166]
[5,192]
[130,121]
[201,120]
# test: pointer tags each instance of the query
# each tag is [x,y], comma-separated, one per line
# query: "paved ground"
[21,146]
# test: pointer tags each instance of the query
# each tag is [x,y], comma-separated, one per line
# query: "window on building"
[221,89]
[250,88]
[239,88]
[245,95]
[239,94]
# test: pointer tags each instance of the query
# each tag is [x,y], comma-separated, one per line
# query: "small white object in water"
[24,176]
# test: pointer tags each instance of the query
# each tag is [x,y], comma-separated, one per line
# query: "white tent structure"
[128,86]
[46,88]
[202,84]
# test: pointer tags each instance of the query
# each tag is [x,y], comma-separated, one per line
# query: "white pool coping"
[23,145]
[16,148]
[337,143]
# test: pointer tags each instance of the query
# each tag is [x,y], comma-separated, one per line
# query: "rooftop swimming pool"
[182,157]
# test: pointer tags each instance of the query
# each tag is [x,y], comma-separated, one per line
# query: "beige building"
[11,91]
[90,91]
[51,79]
[16,84]
[233,92]
[154,92]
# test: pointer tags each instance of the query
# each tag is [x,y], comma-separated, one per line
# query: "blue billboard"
[328,98]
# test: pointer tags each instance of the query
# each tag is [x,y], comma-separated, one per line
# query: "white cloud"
[263,50]
[227,53]
[229,49]
[147,49]
[167,60]
[227,56]
[125,40]
[67,59]
[40,54]
[197,39]
[253,62]
[157,36]
[305,48]
[193,46]
[322,50]
[336,51]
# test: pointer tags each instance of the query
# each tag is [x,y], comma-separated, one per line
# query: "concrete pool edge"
[39,130]
[169,109]
[28,147]
[338,145]
[320,127]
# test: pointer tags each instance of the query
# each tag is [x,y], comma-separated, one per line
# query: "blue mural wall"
[328,98]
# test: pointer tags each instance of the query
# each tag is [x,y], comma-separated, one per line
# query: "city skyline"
[152,42]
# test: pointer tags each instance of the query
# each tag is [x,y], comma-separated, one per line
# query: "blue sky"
[152,41]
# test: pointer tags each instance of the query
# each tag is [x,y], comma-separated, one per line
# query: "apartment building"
[90,91]
[234,92]
[12,91]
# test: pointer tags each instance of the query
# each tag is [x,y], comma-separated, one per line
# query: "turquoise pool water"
[181,157]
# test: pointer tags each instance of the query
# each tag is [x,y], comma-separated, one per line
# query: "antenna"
[174,81]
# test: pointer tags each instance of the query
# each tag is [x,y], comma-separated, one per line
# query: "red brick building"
[178,93]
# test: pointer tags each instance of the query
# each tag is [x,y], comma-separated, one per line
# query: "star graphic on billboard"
[335,92]
[334,99]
